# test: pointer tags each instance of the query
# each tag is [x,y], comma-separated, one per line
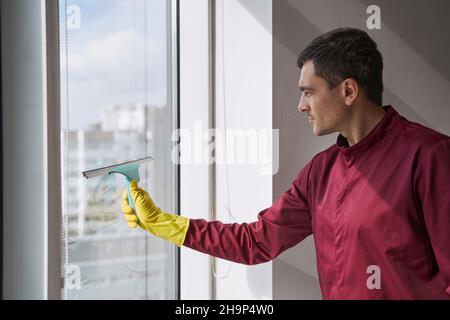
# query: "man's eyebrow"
[303,88]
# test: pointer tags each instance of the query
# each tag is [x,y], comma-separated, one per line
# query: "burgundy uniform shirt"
[379,212]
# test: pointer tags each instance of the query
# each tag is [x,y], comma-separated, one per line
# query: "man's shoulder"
[414,135]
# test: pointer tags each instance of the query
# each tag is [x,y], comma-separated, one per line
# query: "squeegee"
[129,169]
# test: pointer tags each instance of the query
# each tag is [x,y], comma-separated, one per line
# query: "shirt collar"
[369,140]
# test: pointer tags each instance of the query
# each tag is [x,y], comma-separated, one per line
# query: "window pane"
[116,107]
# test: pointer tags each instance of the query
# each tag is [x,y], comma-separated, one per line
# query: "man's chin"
[320,132]
[317,132]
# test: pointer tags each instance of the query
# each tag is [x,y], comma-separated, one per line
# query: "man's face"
[326,108]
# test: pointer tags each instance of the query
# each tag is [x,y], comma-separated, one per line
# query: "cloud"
[103,54]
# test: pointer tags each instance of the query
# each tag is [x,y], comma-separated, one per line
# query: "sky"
[108,55]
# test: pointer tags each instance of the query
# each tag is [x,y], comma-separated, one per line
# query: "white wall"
[244,94]
[31,202]
[246,52]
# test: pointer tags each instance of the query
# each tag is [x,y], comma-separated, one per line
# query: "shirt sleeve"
[279,227]
[433,188]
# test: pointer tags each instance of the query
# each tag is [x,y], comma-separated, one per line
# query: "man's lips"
[310,119]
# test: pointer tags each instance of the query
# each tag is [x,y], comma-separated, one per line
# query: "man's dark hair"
[347,53]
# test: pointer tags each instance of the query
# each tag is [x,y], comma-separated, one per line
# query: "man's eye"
[307,94]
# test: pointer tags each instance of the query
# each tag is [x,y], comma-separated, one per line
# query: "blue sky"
[107,57]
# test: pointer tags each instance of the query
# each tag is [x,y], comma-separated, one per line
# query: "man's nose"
[302,106]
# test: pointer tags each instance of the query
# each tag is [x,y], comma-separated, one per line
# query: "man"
[376,201]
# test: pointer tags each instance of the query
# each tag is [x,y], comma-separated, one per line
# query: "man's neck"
[362,122]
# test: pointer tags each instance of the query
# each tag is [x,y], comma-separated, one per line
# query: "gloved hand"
[152,219]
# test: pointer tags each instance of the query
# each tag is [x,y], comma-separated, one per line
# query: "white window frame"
[195,282]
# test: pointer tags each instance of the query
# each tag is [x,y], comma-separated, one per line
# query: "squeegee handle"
[130,199]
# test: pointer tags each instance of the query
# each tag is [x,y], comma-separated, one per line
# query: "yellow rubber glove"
[152,219]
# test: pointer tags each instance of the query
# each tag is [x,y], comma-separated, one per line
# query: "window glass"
[116,106]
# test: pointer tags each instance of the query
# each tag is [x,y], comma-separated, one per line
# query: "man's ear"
[350,90]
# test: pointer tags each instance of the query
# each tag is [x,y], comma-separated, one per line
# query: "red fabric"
[384,201]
